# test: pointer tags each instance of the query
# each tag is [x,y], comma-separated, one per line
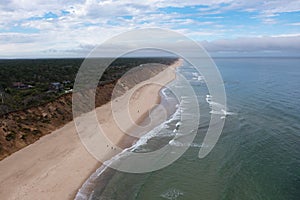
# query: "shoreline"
[126,141]
[57,165]
[98,181]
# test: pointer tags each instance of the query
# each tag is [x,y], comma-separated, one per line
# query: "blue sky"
[57,28]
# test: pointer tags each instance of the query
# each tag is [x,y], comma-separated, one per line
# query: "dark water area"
[258,153]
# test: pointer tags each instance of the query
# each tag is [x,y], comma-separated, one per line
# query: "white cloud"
[294,24]
[280,43]
[92,21]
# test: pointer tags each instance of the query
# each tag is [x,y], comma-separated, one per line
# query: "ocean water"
[257,156]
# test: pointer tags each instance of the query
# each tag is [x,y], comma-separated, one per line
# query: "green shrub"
[10,136]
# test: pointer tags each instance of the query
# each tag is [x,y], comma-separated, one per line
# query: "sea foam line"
[82,193]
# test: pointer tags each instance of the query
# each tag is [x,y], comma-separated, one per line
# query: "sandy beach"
[57,165]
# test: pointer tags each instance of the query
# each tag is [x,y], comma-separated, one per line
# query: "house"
[21,85]
[55,86]
[66,82]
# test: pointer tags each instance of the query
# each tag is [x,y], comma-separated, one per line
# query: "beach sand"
[57,165]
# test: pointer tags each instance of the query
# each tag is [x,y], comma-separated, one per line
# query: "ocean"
[257,155]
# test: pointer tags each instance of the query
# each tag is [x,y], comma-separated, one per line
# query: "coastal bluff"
[19,129]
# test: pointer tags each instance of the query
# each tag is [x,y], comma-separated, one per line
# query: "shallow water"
[257,155]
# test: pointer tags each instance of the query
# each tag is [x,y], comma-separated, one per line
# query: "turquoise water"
[257,155]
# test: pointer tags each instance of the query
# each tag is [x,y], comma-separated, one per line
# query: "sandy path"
[56,166]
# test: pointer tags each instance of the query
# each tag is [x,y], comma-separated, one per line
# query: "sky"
[71,28]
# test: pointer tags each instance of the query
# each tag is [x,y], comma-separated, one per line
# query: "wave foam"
[83,192]
[172,194]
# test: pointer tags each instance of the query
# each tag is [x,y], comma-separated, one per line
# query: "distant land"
[30,82]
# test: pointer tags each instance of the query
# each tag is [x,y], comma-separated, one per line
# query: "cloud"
[294,24]
[8,38]
[66,25]
[255,44]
